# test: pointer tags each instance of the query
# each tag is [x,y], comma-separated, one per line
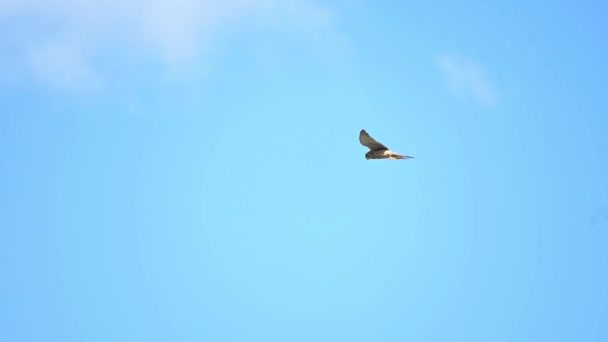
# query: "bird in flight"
[376,149]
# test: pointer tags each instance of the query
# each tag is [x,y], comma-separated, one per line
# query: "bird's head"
[367,155]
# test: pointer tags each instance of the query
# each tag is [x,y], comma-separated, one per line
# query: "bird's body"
[384,154]
[376,149]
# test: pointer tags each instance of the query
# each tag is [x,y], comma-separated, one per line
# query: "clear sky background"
[190,170]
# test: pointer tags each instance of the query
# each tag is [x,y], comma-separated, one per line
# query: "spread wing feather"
[369,142]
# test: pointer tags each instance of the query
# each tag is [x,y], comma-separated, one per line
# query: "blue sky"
[191,171]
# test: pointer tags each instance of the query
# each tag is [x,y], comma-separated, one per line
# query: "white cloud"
[466,78]
[61,66]
[70,43]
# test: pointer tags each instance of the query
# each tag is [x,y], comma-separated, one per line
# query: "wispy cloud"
[65,43]
[466,78]
[60,65]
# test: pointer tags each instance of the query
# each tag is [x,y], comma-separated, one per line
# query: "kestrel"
[376,149]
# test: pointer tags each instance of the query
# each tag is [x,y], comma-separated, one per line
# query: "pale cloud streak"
[466,79]
[61,66]
[71,44]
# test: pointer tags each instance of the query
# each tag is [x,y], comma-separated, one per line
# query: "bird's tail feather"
[398,156]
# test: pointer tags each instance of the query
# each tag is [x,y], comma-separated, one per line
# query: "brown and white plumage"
[376,149]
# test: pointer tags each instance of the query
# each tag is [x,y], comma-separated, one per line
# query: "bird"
[376,149]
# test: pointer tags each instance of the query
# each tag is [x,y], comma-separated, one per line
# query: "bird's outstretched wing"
[369,142]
